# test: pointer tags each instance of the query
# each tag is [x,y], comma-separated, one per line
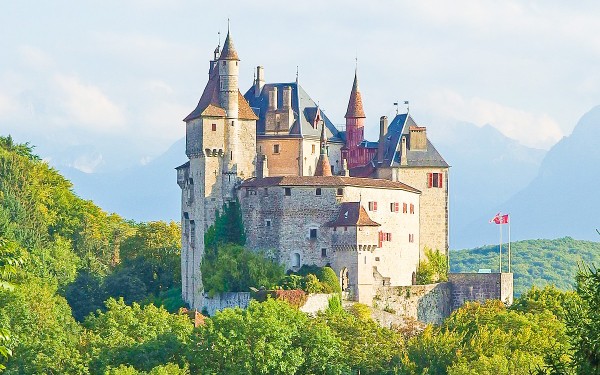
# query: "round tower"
[355,121]
[229,71]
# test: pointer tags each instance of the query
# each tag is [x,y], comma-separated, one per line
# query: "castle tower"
[355,120]
[221,147]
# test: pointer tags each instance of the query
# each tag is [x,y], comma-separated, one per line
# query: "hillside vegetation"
[82,292]
[534,262]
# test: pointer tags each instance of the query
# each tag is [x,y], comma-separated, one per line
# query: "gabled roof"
[355,105]
[209,103]
[304,109]
[352,214]
[327,181]
[400,126]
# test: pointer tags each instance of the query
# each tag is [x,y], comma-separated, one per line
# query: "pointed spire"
[323,167]
[355,106]
[229,52]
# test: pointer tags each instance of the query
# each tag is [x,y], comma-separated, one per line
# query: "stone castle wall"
[426,303]
[480,287]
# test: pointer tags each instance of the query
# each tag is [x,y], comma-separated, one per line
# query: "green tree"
[433,269]
[235,269]
[267,338]
[85,295]
[141,337]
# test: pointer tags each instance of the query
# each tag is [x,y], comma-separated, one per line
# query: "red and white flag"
[499,219]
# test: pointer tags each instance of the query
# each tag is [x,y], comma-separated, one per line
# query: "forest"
[87,292]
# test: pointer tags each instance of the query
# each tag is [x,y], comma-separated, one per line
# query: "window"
[411,238]
[232,122]
[318,191]
[266,192]
[345,229]
[404,208]
[388,237]
[412,208]
[276,149]
[377,259]
[288,192]
[372,206]
[314,148]
[296,260]
[313,234]
[340,191]
[268,223]
[214,127]
[394,207]
[335,229]
[323,253]
[192,234]
[435,180]
[384,237]
[230,155]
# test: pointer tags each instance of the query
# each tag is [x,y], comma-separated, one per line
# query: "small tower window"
[296,260]
[313,233]
[323,253]
[314,149]
[340,191]
[288,192]
[214,127]
[318,191]
[276,149]
[268,223]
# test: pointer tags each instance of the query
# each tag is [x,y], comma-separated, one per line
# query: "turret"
[228,76]
[323,167]
[355,119]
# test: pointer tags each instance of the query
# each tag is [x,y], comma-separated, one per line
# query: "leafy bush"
[235,269]
[433,269]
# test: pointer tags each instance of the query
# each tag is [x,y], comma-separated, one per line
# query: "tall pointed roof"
[323,167]
[229,52]
[355,105]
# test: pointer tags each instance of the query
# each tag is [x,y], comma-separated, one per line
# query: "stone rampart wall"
[426,303]
[480,287]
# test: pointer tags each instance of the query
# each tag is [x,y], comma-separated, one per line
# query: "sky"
[104,85]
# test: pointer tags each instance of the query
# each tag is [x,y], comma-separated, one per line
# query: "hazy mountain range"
[548,194]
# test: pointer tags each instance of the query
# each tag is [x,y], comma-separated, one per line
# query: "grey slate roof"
[304,109]
[399,126]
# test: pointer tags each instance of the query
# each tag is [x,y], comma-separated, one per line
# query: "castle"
[309,192]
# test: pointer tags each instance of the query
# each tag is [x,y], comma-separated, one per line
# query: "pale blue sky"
[103,84]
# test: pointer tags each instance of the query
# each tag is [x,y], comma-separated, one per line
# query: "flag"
[499,219]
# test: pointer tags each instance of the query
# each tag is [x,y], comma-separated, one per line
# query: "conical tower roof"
[323,167]
[355,105]
[229,52]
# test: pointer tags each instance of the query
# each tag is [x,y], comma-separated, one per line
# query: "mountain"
[534,262]
[563,199]
[143,193]
[487,169]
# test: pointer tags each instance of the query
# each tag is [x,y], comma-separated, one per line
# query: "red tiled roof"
[327,181]
[352,214]
[355,105]
[244,110]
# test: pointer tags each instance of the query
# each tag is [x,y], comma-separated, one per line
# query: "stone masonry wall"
[426,303]
[480,287]
[225,300]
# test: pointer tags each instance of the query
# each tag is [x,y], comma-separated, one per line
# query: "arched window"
[344,279]
[296,260]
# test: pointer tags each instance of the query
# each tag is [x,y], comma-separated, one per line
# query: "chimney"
[403,160]
[383,124]
[345,171]
[260,81]
[287,97]
[418,138]
[273,99]
[263,169]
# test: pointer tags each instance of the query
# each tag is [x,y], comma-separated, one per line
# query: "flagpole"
[500,226]
[509,244]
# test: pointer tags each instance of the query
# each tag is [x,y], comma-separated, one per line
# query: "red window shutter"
[440,179]
[404,208]
[412,208]
[396,206]
[390,237]
[380,238]
[374,206]
[429,179]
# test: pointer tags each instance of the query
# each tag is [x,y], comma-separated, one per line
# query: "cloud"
[88,163]
[35,57]
[8,105]
[537,130]
[87,105]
